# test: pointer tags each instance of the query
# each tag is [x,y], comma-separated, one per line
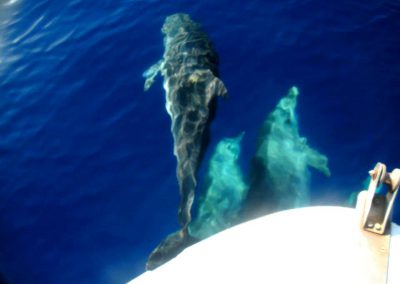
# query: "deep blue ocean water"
[87,173]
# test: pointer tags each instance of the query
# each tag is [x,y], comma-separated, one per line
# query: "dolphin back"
[189,68]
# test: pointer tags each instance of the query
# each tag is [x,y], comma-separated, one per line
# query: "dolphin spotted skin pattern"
[190,71]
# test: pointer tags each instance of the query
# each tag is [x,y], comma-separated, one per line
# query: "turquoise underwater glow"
[281,163]
[225,190]
[285,157]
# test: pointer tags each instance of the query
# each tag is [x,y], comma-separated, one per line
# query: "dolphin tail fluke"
[151,73]
[318,161]
[176,242]
[169,248]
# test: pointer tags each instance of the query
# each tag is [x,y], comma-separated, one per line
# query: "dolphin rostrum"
[190,71]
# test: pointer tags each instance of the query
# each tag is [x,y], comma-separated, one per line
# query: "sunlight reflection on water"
[7,9]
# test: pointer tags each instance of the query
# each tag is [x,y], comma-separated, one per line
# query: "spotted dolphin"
[280,176]
[225,190]
[189,68]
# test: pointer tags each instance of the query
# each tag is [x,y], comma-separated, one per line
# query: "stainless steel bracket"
[375,208]
[378,208]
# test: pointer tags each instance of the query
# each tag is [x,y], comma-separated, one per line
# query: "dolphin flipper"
[318,161]
[217,87]
[151,73]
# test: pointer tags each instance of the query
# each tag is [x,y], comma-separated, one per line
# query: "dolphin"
[280,176]
[225,190]
[189,68]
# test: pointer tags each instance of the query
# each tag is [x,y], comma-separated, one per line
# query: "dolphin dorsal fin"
[151,73]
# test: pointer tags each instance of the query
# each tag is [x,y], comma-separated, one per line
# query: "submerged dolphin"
[190,71]
[225,190]
[280,175]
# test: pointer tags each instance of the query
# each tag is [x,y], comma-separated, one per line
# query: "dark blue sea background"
[87,172]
